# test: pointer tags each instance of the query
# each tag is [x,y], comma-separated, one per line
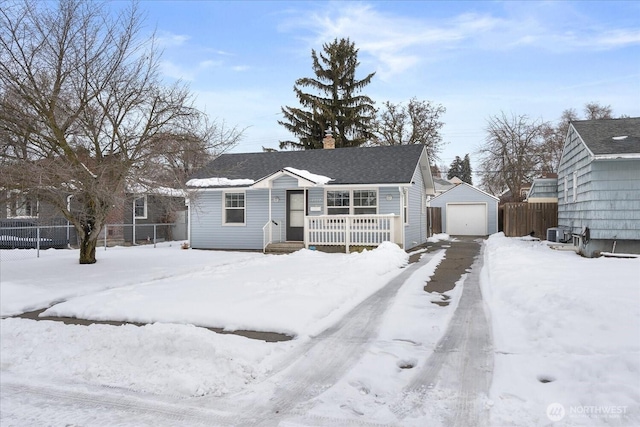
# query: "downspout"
[402,216]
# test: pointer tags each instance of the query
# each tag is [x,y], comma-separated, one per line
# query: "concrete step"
[284,247]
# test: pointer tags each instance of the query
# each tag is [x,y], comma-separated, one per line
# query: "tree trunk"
[88,250]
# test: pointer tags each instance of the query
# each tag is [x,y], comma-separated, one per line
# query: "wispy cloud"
[397,43]
[167,39]
[185,72]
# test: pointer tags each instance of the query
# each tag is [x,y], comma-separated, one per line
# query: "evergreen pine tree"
[466,172]
[336,104]
[455,169]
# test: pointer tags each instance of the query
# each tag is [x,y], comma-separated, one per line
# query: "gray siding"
[466,194]
[544,188]
[208,231]
[415,231]
[607,194]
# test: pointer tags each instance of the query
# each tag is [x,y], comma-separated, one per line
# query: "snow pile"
[160,359]
[219,182]
[566,331]
[316,179]
[438,237]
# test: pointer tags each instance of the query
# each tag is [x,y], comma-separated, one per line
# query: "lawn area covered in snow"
[566,331]
[172,289]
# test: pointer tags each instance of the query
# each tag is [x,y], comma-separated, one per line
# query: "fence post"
[347,232]
[154,234]
[38,241]
[105,236]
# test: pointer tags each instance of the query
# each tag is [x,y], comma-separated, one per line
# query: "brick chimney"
[328,143]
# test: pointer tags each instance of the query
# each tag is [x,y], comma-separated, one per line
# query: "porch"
[341,230]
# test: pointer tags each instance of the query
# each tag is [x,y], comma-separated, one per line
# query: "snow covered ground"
[566,329]
[566,333]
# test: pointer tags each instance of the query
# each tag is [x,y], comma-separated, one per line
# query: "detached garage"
[467,211]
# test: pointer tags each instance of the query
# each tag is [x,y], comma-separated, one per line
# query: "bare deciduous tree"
[82,107]
[418,122]
[510,153]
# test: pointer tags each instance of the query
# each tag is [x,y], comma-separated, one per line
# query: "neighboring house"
[599,185]
[340,198]
[139,206]
[544,190]
[467,211]
[442,185]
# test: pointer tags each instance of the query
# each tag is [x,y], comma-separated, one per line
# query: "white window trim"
[144,216]
[405,205]
[566,190]
[224,209]
[575,186]
[352,207]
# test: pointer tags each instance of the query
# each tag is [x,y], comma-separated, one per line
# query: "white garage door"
[467,219]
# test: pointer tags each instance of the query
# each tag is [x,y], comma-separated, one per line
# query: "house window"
[352,202]
[338,202]
[405,205]
[234,209]
[365,202]
[21,205]
[140,207]
[575,186]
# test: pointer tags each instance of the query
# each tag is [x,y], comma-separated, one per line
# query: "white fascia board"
[616,156]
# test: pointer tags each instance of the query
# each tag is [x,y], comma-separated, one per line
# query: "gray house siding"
[416,226]
[607,199]
[208,230]
[466,194]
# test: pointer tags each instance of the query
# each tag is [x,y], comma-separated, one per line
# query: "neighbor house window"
[21,205]
[234,209]
[352,202]
[140,207]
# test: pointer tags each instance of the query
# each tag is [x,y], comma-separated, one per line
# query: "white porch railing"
[271,233]
[352,230]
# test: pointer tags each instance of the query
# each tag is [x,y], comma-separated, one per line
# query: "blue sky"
[477,59]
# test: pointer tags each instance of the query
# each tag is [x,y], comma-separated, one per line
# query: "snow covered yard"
[171,289]
[566,335]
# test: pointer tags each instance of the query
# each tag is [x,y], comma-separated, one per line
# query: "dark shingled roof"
[372,165]
[599,135]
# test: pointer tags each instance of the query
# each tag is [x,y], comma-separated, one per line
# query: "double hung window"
[234,208]
[352,202]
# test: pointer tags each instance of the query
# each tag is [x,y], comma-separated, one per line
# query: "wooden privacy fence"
[434,221]
[520,219]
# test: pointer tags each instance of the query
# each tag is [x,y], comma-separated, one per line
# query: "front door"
[295,215]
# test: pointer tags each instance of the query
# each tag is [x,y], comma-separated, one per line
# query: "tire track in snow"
[455,380]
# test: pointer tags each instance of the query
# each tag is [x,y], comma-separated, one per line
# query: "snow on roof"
[218,182]
[318,179]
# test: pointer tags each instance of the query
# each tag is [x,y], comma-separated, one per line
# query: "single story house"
[340,198]
[467,211]
[599,185]
[543,190]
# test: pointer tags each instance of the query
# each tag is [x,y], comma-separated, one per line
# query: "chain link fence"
[27,238]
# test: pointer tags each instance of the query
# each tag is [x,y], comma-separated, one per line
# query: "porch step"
[284,247]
